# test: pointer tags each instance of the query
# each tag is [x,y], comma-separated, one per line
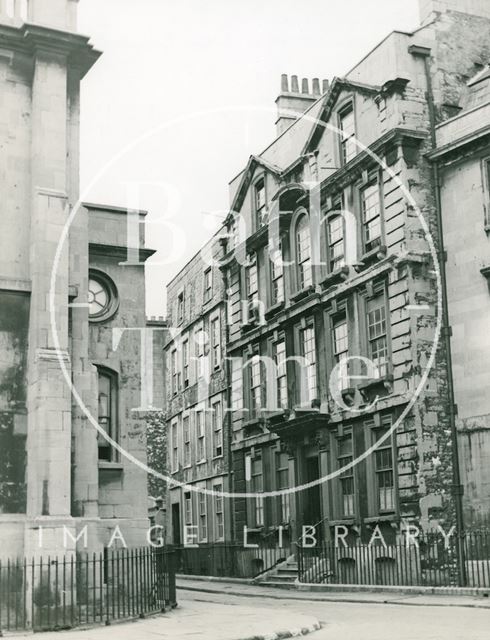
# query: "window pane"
[303,252]
[371,215]
[377,333]
[309,355]
[347,126]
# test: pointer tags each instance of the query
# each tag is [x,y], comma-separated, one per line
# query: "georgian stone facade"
[363,276]
[197,401]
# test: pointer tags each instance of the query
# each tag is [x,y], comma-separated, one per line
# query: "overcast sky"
[184,93]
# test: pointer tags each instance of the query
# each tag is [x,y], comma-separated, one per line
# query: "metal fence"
[434,561]
[228,560]
[62,593]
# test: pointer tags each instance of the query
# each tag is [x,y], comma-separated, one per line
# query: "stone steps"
[284,575]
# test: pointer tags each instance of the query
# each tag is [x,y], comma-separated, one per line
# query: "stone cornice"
[33,39]
[345,175]
[118,252]
[474,141]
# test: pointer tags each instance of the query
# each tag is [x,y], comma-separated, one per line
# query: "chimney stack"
[292,102]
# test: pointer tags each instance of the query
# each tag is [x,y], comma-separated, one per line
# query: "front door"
[313,509]
[176,523]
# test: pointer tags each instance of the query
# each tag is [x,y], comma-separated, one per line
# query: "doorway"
[176,523]
[313,509]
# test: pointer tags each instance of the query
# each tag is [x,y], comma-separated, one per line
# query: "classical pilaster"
[49,403]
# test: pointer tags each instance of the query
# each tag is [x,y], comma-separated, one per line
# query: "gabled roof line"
[329,102]
[253,161]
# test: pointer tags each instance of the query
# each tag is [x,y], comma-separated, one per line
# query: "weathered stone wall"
[15,144]
[202,391]
[122,485]
[463,203]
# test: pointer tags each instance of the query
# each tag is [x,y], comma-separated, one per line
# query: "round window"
[102,296]
[98,297]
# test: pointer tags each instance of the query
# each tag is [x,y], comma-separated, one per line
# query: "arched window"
[303,252]
[107,413]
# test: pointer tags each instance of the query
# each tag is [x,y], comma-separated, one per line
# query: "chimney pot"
[316,87]
[304,86]
[325,85]
[294,84]
[284,83]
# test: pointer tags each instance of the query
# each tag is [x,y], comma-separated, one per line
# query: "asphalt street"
[366,620]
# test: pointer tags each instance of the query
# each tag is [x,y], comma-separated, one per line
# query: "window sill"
[335,277]
[370,257]
[371,386]
[187,466]
[201,462]
[220,457]
[255,529]
[110,466]
[304,293]
[348,522]
[385,517]
[249,326]
[274,310]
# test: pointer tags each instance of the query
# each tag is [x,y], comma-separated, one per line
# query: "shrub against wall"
[156,443]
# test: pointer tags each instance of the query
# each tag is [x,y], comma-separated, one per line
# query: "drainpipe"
[457,488]
[229,421]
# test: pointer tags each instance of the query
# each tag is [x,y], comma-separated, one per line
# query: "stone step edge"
[329,588]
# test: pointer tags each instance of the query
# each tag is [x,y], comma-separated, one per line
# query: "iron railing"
[229,560]
[71,591]
[431,560]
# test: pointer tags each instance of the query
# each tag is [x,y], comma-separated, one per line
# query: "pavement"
[218,610]
[366,619]
[202,621]
[244,589]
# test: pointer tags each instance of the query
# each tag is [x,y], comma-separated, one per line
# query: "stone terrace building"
[56,474]
[196,407]
[462,159]
[357,284]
